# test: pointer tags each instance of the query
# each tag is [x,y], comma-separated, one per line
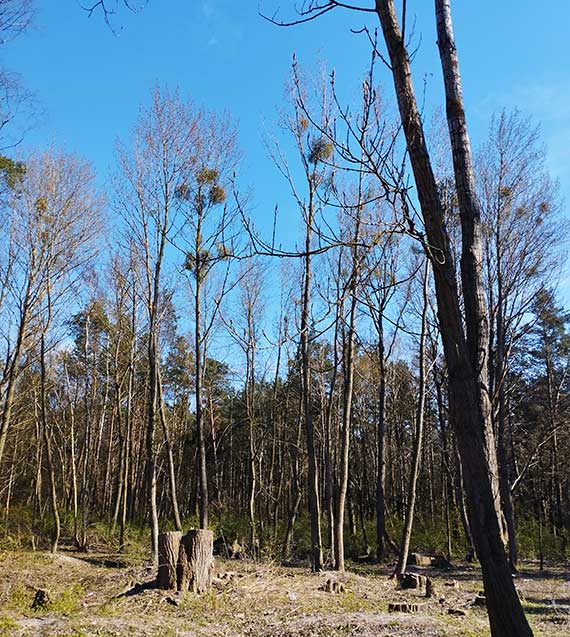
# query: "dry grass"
[97,595]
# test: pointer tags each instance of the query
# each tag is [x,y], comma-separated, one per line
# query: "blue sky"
[90,82]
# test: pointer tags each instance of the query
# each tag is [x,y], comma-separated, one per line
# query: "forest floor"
[98,594]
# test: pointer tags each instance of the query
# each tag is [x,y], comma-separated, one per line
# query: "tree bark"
[196,561]
[168,552]
[150,450]
[465,357]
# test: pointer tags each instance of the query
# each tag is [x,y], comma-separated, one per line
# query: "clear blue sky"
[90,82]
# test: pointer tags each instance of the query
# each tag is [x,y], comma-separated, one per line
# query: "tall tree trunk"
[199,380]
[128,464]
[381,447]
[249,390]
[72,443]
[448,490]
[347,395]
[48,446]
[465,358]
[313,486]
[504,479]
[170,457]
[150,446]
[14,368]
[329,412]
[418,440]
[295,491]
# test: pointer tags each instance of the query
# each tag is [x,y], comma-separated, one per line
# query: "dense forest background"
[166,364]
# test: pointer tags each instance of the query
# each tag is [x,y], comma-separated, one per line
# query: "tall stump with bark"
[196,561]
[168,552]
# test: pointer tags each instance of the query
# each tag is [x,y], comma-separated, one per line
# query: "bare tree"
[465,349]
[522,236]
[18,106]
[53,218]
[208,239]
[151,170]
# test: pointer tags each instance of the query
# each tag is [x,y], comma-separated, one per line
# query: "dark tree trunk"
[295,492]
[465,355]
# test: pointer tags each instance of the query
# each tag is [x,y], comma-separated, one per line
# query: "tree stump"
[403,608]
[417,559]
[430,588]
[441,562]
[168,551]
[412,580]
[196,561]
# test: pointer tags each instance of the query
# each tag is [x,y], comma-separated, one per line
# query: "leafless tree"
[53,219]
[465,337]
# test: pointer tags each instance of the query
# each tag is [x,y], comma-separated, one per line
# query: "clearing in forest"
[101,595]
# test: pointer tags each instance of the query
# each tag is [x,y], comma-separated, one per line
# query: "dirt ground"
[97,594]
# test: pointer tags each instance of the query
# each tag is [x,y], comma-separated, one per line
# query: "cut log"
[403,608]
[440,561]
[332,585]
[417,559]
[412,580]
[168,550]
[196,561]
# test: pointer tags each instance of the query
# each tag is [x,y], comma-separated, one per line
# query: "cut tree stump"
[412,580]
[441,562]
[417,559]
[403,608]
[196,561]
[332,586]
[168,551]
